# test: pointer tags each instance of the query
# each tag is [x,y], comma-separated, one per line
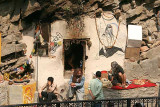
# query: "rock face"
[15,16]
[133,93]
[11,48]
[146,69]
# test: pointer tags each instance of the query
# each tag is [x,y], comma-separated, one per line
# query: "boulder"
[7,8]
[13,28]
[11,38]
[143,55]
[30,7]
[126,7]
[134,93]
[134,12]
[144,48]
[157,43]
[17,9]
[4,28]
[11,48]
[153,52]
[145,15]
[147,69]
[149,40]
[156,3]
[156,35]
[151,25]
[150,67]
[7,63]
[145,32]
[107,2]
[19,62]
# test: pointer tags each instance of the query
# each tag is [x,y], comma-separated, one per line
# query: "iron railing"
[126,102]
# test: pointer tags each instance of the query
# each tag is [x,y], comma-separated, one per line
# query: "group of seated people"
[76,84]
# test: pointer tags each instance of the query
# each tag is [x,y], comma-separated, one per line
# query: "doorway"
[74,55]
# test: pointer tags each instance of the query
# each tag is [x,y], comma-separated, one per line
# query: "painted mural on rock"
[56,42]
[107,31]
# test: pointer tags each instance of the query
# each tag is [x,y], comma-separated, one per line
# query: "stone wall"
[132,93]
[145,69]
[4,93]
[11,25]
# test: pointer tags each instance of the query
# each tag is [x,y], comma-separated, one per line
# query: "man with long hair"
[118,75]
[76,85]
[51,92]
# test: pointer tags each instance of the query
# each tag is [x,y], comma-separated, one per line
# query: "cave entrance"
[74,55]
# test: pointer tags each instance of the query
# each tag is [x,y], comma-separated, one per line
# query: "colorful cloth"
[41,39]
[37,34]
[52,44]
[135,84]
[60,43]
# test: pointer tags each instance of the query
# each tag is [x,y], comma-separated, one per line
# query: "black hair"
[138,105]
[51,79]
[98,74]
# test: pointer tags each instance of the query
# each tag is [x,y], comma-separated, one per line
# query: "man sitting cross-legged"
[51,92]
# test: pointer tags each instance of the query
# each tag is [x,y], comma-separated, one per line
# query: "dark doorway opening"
[74,55]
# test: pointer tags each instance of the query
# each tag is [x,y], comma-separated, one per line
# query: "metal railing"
[126,102]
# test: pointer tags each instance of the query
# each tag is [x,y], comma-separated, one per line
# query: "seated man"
[76,85]
[51,92]
[118,75]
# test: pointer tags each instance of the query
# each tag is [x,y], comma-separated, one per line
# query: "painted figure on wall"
[107,30]
[28,93]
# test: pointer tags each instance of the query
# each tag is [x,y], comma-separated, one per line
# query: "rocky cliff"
[18,15]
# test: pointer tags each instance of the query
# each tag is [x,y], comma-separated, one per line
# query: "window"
[42,38]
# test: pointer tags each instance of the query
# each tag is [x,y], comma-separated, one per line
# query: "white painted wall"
[96,62]
[54,66]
